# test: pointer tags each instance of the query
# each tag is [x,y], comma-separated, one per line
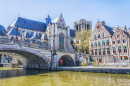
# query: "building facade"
[52,33]
[120,44]
[109,45]
[82,24]
[100,42]
[58,34]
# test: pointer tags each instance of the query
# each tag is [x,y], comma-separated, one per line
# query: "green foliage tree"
[82,40]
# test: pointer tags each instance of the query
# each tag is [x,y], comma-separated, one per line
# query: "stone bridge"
[36,57]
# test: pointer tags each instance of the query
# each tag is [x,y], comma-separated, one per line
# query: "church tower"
[47,20]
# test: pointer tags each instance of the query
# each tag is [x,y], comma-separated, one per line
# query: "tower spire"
[61,14]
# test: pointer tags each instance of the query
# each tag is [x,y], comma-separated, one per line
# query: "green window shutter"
[108,49]
[99,50]
[99,41]
[119,47]
[103,40]
[114,48]
[124,46]
[107,40]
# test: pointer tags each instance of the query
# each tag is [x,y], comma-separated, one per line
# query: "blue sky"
[113,12]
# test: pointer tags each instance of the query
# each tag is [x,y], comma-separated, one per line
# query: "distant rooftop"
[2,30]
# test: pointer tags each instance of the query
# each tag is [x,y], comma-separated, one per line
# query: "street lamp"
[51,58]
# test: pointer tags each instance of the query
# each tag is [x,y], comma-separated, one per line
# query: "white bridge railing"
[5,41]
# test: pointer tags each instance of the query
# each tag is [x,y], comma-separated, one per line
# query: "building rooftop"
[109,29]
[2,30]
[29,24]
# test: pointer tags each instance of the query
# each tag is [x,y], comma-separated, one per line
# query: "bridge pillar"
[55,61]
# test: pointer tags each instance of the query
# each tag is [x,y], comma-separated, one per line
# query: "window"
[95,44]
[119,49]
[125,49]
[99,43]
[99,51]
[60,20]
[107,42]
[103,42]
[119,41]
[31,34]
[124,40]
[39,35]
[118,36]
[92,44]
[125,58]
[61,41]
[102,35]
[94,36]
[98,27]
[104,52]
[96,52]
[98,35]
[114,50]
[108,51]
[92,53]
[113,42]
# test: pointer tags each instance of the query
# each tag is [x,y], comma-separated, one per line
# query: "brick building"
[120,44]
[108,44]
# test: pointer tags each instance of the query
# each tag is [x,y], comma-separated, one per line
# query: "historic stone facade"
[52,33]
[100,42]
[59,34]
[82,24]
[109,45]
[120,44]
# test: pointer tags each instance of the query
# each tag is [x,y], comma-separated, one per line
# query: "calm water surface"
[28,77]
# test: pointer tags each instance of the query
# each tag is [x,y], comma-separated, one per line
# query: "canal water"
[30,77]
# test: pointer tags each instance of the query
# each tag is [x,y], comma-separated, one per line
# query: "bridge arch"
[67,60]
[30,59]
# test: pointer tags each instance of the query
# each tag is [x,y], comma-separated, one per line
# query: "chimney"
[103,23]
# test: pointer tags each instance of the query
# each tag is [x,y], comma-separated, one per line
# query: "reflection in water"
[28,77]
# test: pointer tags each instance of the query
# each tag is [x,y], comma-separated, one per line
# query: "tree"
[82,40]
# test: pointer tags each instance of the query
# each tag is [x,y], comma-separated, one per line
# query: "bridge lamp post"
[51,58]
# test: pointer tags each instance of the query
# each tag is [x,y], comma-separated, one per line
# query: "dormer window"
[102,35]
[97,27]
[94,36]
[118,36]
[98,35]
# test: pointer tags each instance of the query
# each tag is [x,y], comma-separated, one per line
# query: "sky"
[113,12]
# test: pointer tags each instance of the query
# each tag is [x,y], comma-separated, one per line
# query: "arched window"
[39,36]
[61,41]
[31,34]
[12,38]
